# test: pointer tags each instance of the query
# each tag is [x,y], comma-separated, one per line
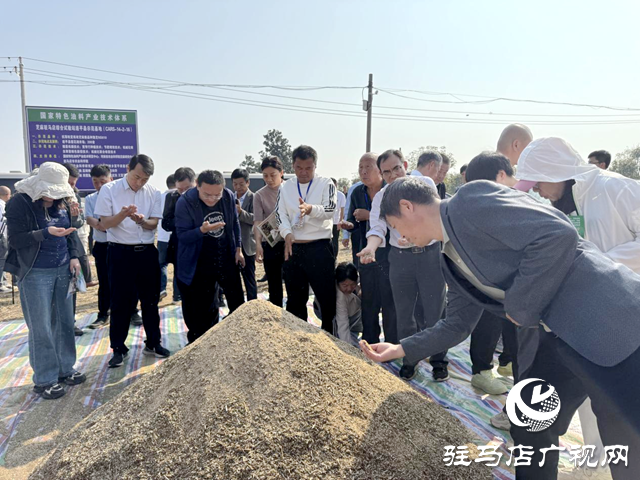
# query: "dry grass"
[263,395]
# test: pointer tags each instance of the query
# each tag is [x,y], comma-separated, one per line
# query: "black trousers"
[134,273]
[376,296]
[335,241]
[355,249]
[100,254]
[273,262]
[614,398]
[484,339]
[199,299]
[311,264]
[249,276]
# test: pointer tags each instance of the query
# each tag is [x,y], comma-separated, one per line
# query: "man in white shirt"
[429,164]
[129,209]
[338,216]
[414,272]
[304,211]
[5,195]
[163,242]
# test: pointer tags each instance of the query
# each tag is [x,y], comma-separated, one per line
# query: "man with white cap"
[604,206]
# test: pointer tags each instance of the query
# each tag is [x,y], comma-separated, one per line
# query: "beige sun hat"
[51,180]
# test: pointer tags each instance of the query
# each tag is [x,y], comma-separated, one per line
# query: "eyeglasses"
[395,170]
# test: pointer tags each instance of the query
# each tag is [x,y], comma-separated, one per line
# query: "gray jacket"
[532,252]
[246,225]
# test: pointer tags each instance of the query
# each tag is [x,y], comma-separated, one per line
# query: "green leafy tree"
[276,144]
[412,158]
[343,183]
[627,163]
[252,166]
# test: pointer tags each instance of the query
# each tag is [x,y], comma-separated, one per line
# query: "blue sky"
[570,51]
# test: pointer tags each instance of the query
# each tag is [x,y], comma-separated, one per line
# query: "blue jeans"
[162,258]
[49,315]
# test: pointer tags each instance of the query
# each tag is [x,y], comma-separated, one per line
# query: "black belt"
[136,248]
[416,249]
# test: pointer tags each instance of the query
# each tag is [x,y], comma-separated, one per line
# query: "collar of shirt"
[449,250]
[416,173]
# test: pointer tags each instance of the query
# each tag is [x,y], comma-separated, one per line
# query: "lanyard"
[300,191]
[366,200]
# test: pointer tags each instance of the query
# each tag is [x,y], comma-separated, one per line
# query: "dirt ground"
[88,302]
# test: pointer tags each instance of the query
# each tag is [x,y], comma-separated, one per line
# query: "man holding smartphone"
[209,251]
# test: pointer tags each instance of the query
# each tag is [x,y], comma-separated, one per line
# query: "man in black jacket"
[184,178]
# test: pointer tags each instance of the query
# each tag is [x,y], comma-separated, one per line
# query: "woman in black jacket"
[43,254]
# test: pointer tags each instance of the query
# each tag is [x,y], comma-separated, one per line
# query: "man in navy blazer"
[504,252]
[209,251]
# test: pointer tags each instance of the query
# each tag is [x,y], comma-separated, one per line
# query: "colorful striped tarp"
[17,399]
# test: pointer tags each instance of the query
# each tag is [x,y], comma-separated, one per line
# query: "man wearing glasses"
[414,272]
[209,251]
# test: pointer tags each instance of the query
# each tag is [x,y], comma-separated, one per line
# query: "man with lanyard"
[505,252]
[129,209]
[374,277]
[304,212]
[414,272]
[346,235]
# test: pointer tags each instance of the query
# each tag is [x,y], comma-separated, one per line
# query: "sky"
[581,52]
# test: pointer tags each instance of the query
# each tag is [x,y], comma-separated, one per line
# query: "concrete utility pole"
[368,107]
[27,163]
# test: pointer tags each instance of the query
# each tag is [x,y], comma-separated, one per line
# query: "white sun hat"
[51,180]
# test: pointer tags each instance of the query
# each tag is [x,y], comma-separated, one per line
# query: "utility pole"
[368,105]
[27,163]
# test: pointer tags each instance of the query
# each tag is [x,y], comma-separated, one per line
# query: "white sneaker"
[487,382]
[5,289]
[501,421]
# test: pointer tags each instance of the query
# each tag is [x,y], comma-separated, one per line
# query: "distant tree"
[343,183]
[355,178]
[452,181]
[252,166]
[412,158]
[627,163]
[276,144]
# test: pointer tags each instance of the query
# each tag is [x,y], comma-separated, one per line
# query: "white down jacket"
[609,202]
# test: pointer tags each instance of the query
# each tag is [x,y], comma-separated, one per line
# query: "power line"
[388,91]
[306,109]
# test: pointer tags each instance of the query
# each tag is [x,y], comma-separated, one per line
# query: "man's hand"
[60,232]
[512,320]
[99,226]
[74,266]
[305,208]
[361,214]
[345,242]
[288,246]
[346,225]
[381,352]
[128,211]
[259,253]
[238,208]
[211,227]
[138,218]
[240,258]
[74,208]
[367,255]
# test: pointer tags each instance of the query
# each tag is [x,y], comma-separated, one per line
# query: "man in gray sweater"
[508,254]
